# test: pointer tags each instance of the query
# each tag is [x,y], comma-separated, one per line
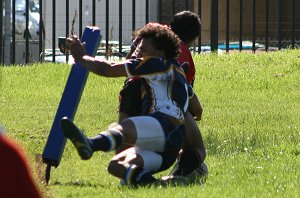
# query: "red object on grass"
[16,179]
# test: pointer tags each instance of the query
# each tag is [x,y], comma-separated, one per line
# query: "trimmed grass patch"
[251,126]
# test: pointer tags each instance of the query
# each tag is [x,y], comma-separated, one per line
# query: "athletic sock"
[138,176]
[144,177]
[106,140]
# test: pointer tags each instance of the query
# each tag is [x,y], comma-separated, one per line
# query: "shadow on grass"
[78,183]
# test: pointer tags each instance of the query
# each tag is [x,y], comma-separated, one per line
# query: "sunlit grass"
[250,126]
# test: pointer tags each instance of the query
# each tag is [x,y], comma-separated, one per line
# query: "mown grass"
[251,126]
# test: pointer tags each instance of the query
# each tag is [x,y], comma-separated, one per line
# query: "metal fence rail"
[215,7]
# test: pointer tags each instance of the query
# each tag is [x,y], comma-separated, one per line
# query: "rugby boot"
[78,139]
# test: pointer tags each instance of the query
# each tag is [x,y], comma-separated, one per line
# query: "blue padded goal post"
[69,101]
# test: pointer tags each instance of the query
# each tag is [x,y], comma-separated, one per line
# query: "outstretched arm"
[102,68]
[99,67]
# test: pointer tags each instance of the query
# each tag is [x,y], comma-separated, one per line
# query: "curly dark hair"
[162,38]
[186,25]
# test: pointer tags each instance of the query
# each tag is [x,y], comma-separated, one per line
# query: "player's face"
[146,48]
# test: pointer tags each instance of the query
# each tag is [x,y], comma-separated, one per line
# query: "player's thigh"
[148,130]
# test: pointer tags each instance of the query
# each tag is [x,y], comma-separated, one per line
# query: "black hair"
[186,25]
[162,39]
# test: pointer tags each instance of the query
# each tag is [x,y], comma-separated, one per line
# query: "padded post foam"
[70,99]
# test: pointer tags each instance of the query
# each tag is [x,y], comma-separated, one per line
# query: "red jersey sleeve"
[186,57]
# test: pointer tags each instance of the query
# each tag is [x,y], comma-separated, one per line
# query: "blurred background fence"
[30,29]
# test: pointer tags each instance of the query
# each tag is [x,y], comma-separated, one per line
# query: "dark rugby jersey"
[165,85]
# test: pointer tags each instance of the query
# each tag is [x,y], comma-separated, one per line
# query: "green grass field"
[251,126]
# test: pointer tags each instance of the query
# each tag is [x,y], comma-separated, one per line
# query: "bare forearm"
[99,67]
[93,65]
[195,107]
